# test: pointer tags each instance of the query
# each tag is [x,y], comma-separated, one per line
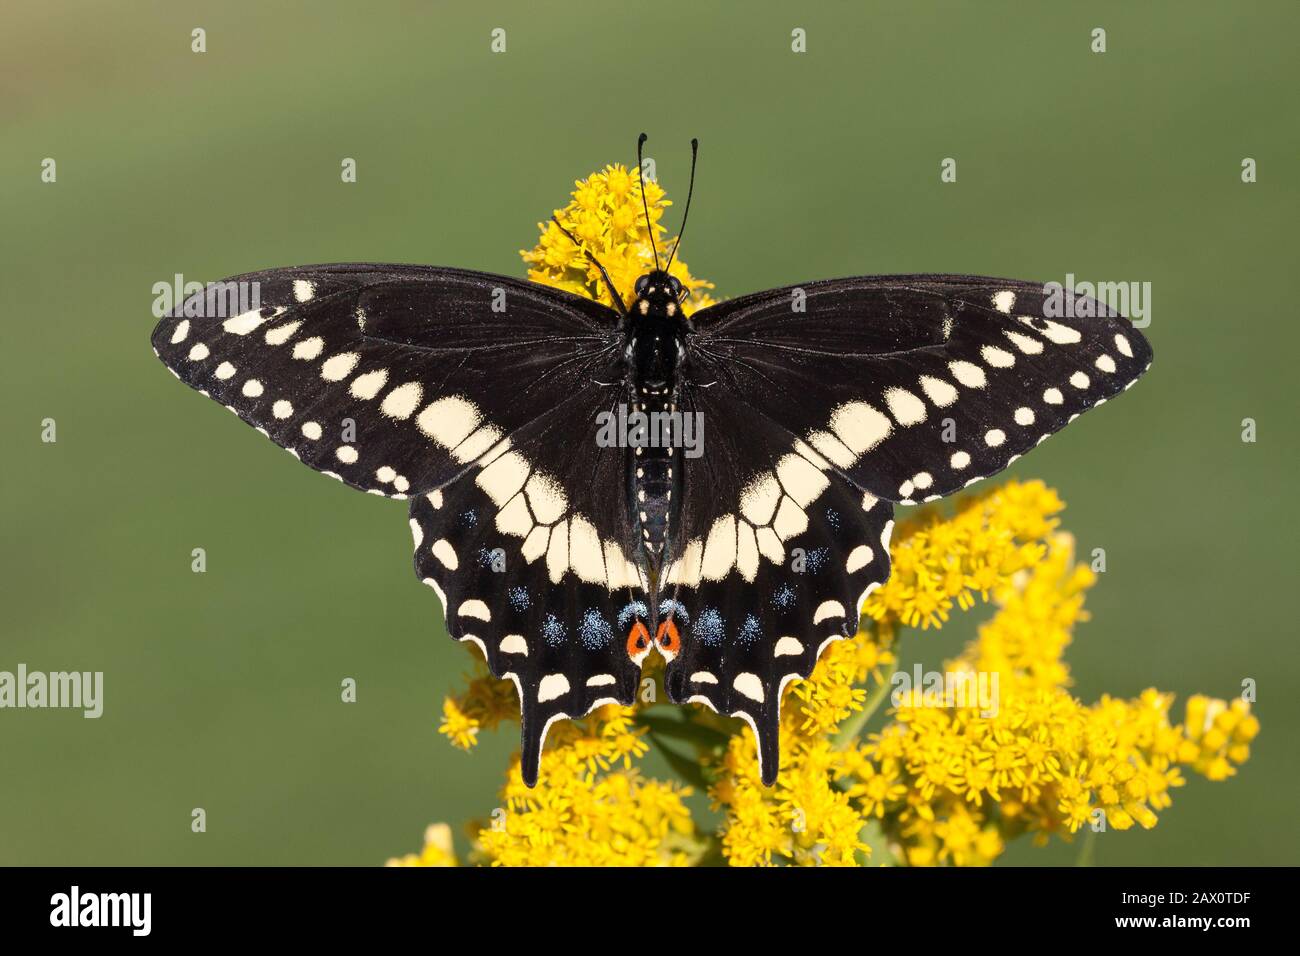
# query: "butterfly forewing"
[393,378]
[916,386]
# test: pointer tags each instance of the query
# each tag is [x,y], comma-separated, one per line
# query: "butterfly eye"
[641,284]
[675,285]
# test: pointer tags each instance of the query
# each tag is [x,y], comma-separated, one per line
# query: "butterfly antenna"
[695,149]
[609,283]
[640,172]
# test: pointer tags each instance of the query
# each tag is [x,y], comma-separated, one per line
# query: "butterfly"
[558,509]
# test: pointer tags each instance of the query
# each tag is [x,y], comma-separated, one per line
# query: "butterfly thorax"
[653,353]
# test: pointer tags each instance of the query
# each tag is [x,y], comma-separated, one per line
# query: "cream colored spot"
[938,391]
[828,609]
[503,479]
[720,549]
[551,687]
[790,520]
[252,388]
[994,437]
[308,349]
[514,519]
[959,460]
[243,323]
[788,647]
[475,608]
[402,401]
[444,552]
[1030,346]
[906,408]
[338,367]
[198,353]
[546,498]
[968,374]
[449,420]
[281,333]
[1024,416]
[858,559]
[282,409]
[996,357]
[859,426]
[311,430]
[759,499]
[801,481]
[367,386]
[750,685]
[182,330]
[346,454]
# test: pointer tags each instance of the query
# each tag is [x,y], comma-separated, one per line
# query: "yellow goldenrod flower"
[438,849]
[605,216]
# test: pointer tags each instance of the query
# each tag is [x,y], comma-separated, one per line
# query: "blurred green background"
[222,689]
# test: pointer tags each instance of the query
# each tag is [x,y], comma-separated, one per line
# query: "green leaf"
[686,768]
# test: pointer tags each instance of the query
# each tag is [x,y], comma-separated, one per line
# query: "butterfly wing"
[850,394]
[774,558]
[462,391]
[915,386]
[394,379]
[530,580]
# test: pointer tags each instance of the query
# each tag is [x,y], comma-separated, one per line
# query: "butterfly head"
[658,294]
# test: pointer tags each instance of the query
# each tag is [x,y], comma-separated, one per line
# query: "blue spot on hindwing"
[671,608]
[594,631]
[783,597]
[554,631]
[709,627]
[632,610]
[519,598]
[750,632]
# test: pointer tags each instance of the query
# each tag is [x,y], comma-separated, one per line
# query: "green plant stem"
[850,729]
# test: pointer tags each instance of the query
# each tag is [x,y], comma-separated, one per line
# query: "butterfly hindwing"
[547,593]
[915,386]
[749,631]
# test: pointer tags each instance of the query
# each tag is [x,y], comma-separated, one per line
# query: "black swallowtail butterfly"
[567,560]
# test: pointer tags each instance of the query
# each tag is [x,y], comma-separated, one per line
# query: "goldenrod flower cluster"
[605,216]
[871,773]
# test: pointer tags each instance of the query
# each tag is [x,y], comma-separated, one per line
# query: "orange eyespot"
[638,640]
[669,640]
